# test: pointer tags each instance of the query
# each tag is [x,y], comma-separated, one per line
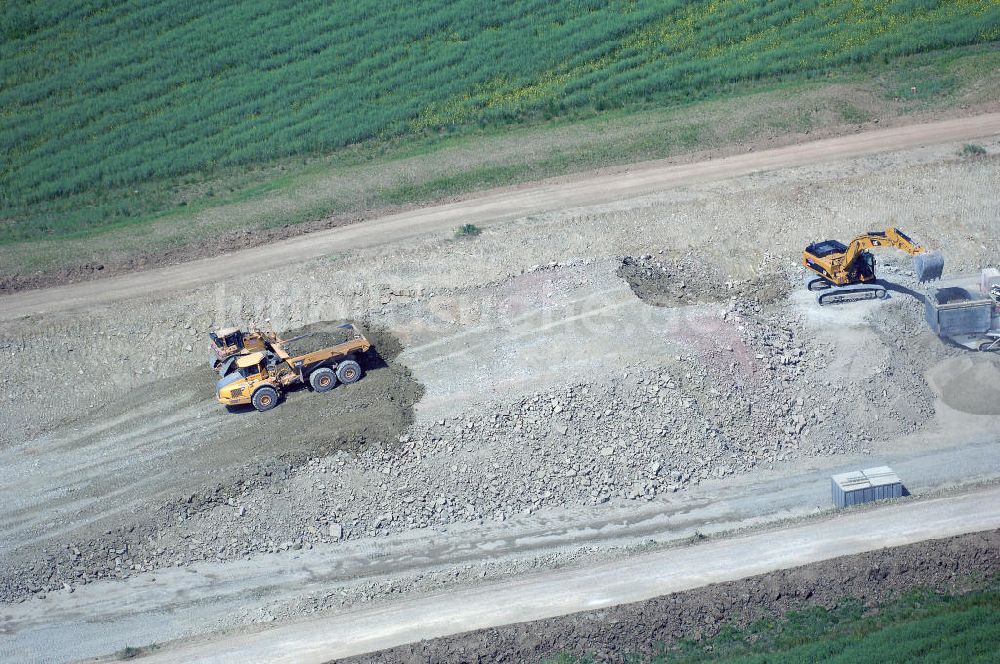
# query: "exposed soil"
[970,384]
[376,409]
[241,452]
[549,384]
[953,565]
[524,374]
[312,337]
[206,247]
[671,279]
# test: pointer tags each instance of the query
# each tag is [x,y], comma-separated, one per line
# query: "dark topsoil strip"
[954,565]
[207,246]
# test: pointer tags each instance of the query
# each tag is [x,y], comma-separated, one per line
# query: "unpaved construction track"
[638,578]
[196,600]
[547,393]
[953,565]
[568,193]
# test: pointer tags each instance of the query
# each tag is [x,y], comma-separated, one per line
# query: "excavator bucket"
[928,265]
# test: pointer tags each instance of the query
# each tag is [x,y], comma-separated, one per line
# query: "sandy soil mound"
[970,383]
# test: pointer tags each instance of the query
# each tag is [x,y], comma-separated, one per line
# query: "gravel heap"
[670,278]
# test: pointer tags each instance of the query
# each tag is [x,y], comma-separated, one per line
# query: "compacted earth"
[604,358]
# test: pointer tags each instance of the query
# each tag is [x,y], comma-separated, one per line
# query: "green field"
[920,626]
[117,114]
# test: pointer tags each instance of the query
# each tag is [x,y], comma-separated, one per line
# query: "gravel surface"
[528,368]
[743,396]
[232,483]
[970,384]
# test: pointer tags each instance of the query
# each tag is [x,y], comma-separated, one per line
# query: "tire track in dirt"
[620,633]
[141,460]
[538,596]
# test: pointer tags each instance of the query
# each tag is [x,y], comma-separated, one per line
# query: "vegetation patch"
[132,652]
[919,626]
[116,112]
[973,150]
[468,230]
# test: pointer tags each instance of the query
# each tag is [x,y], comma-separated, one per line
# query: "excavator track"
[845,294]
[818,284]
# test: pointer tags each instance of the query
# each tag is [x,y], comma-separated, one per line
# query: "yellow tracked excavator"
[846,273]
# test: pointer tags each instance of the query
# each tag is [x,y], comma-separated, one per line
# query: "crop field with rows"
[101,98]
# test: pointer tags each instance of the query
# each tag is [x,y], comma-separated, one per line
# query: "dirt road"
[638,578]
[560,194]
[193,602]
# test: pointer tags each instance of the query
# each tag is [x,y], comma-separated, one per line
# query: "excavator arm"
[892,237]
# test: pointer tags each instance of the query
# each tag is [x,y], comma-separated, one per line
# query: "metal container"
[865,486]
[960,309]
[957,311]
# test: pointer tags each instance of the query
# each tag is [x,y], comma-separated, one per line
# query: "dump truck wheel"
[323,379]
[265,398]
[348,372]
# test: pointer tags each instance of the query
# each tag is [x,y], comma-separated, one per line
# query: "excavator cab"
[865,265]
[825,248]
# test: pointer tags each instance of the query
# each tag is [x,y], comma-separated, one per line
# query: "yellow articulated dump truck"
[260,378]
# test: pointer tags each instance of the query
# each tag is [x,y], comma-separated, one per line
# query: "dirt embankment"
[611,635]
[673,279]
[207,246]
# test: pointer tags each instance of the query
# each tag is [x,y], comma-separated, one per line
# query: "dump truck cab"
[248,373]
